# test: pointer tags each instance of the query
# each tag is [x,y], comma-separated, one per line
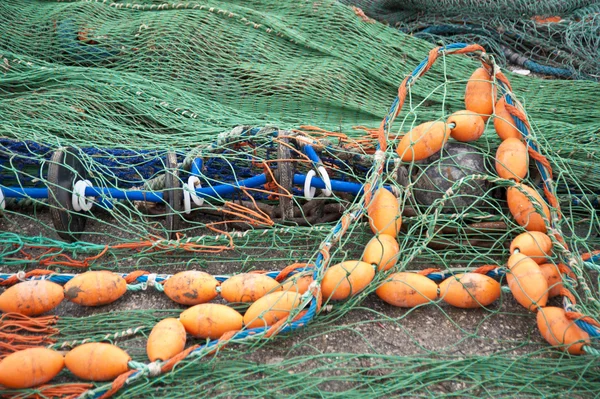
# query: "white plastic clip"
[309,192]
[78,199]
[189,194]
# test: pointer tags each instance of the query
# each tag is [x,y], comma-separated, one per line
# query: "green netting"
[558,38]
[128,91]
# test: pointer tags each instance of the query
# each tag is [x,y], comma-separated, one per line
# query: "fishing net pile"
[556,37]
[244,158]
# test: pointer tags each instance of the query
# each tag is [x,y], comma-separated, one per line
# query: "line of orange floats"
[530,280]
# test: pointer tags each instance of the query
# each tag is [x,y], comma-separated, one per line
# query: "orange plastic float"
[468,126]
[248,287]
[407,290]
[346,279]
[469,290]
[504,123]
[271,308]
[210,320]
[553,278]
[560,331]
[382,251]
[423,141]
[30,367]
[97,361]
[166,340]
[384,213]
[298,283]
[480,94]
[95,288]
[523,210]
[534,244]
[512,160]
[526,282]
[191,287]
[31,298]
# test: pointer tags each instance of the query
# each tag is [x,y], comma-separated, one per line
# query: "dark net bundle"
[150,138]
[554,38]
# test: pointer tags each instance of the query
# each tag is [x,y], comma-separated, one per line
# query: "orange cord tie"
[288,269]
[568,294]
[564,269]
[133,276]
[588,255]
[484,269]
[427,272]
[361,14]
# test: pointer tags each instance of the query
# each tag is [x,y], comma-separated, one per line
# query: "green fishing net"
[142,97]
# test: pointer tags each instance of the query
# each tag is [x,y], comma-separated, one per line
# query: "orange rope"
[18,332]
[67,391]
[168,366]
[579,316]
[117,384]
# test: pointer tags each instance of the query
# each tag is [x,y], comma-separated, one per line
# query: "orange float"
[407,290]
[423,141]
[504,122]
[95,288]
[523,210]
[480,94]
[384,213]
[560,331]
[210,320]
[97,361]
[191,287]
[271,308]
[30,367]
[512,160]
[247,287]
[346,279]
[382,250]
[553,278]
[534,244]
[526,282]
[31,298]
[298,283]
[166,340]
[469,290]
[468,126]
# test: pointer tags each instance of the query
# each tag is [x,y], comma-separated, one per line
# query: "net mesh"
[558,38]
[142,97]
